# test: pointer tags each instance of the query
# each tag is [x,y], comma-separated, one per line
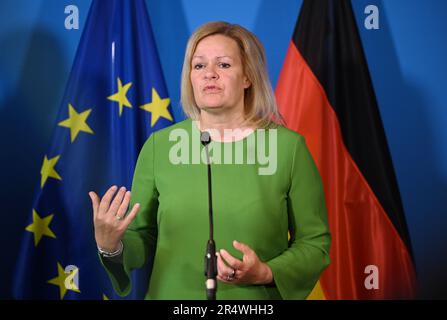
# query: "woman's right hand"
[109,217]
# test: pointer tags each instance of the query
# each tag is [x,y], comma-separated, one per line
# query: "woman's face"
[217,75]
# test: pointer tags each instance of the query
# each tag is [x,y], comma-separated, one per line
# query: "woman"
[271,226]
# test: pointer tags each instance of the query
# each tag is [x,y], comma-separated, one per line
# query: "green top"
[253,208]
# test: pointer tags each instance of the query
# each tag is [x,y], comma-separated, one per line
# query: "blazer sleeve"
[298,268]
[141,236]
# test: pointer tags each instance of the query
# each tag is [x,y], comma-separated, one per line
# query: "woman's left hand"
[250,270]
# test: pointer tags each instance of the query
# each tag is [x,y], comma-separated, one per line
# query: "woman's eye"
[198,66]
[224,65]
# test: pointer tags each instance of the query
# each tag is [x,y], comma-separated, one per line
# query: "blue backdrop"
[406,57]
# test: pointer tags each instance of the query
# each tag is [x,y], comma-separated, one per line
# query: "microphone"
[210,257]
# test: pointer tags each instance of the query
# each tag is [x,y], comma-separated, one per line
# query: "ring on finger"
[230,277]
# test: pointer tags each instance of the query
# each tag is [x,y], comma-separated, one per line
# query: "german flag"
[325,93]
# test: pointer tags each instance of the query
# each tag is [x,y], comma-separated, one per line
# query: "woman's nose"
[210,73]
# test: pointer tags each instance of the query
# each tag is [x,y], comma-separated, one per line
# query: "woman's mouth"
[211,89]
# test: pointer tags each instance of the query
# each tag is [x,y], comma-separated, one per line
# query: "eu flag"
[115,98]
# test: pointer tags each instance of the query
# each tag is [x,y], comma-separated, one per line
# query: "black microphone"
[210,257]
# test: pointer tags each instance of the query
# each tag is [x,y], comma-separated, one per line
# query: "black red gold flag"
[325,94]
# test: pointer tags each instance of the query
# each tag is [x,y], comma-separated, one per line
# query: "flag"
[115,98]
[325,93]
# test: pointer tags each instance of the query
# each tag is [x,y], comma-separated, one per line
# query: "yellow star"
[64,280]
[158,108]
[120,96]
[47,170]
[40,227]
[76,122]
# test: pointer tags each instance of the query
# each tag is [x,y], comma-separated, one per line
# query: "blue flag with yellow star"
[115,98]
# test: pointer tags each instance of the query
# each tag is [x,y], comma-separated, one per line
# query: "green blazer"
[257,204]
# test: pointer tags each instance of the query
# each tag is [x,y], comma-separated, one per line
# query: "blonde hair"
[259,100]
